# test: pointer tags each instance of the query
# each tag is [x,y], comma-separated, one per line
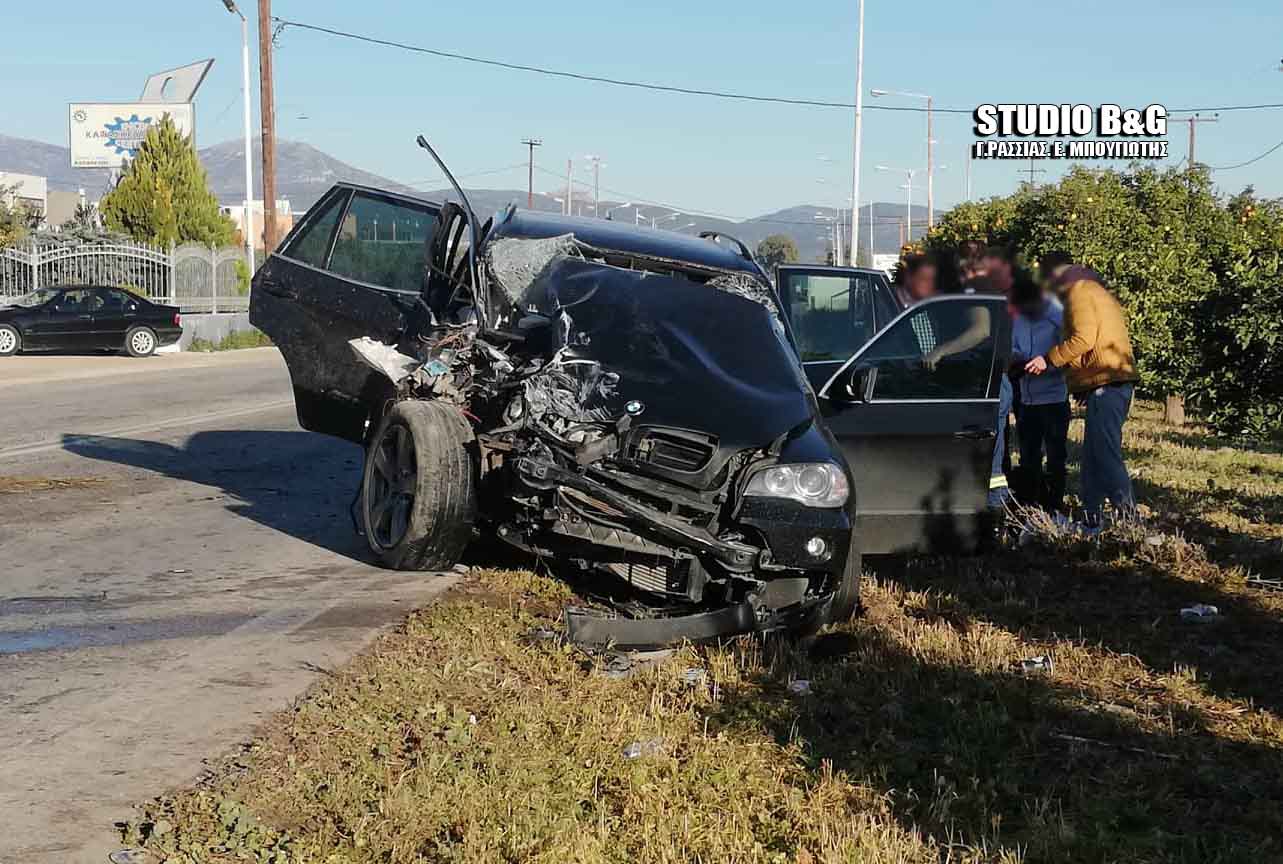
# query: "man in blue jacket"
[1043,424]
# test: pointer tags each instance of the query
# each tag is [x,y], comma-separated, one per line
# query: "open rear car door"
[915,411]
[355,266]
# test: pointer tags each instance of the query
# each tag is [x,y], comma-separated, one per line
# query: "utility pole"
[859,127]
[570,186]
[968,175]
[596,179]
[1031,171]
[532,143]
[1193,120]
[267,106]
[931,201]
[247,221]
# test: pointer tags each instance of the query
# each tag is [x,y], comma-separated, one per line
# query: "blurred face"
[1052,279]
[1033,308]
[921,283]
[998,270]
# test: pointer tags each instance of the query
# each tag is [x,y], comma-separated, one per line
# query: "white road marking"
[191,420]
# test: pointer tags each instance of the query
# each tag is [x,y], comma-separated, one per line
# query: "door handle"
[84,317]
[974,433]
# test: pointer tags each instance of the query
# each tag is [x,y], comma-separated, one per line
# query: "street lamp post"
[908,209]
[855,161]
[248,222]
[931,218]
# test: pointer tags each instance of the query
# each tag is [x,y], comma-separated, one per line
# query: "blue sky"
[364,104]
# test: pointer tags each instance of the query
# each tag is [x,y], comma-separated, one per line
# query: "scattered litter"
[800,687]
[694,676]
[1041,663]
[461,568]
[178,571]
[650,747]
[1200,612]
[1155,540]
[435,368]
[128,856]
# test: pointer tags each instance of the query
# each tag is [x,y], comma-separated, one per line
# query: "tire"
[140,342]
[10,340]
[419,487]
[846,599]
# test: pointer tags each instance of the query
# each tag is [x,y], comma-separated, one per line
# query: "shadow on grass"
[1007,761]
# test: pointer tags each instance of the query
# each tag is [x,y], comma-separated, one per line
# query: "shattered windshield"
[33,299]
[518,268]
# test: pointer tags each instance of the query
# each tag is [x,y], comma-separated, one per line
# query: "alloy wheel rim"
[390,498]
[142,342]
[7,341]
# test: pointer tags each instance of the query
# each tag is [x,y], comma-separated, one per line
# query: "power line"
[1248,162]
[708,214]
[670,88]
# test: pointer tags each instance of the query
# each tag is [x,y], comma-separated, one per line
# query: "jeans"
[1043,428]
[1104,476]
[998,491]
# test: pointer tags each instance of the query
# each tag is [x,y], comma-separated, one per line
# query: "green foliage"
[242,277]
[163,199]
[233,341]
[775,250]
[1199,277]
[13,220]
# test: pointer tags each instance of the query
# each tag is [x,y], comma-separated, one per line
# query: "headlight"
[812,484]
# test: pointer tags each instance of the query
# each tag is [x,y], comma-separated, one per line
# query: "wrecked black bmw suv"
[625,399]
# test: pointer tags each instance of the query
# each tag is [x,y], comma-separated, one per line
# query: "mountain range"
[304,173]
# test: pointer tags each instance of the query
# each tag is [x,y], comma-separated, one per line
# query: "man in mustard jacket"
[1096,356]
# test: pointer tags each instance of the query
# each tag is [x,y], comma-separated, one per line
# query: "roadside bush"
[1199,277]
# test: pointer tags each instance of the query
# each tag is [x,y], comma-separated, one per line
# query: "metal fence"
[193,277]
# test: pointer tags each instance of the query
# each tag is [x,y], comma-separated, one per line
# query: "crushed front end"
[643,418]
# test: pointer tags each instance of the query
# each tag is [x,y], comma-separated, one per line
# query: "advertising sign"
[107,134]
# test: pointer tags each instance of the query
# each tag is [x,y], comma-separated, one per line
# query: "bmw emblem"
[633,408]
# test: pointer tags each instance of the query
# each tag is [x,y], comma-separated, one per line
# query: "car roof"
[625,238]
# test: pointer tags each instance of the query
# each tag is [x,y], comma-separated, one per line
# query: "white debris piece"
[1200,612]
[384,358]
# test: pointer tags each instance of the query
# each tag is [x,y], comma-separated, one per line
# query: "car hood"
[689,355]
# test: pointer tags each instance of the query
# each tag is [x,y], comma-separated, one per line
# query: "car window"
[384,242]
[77,300]
[832,313]
[937,351]
[312,243]
[116,301]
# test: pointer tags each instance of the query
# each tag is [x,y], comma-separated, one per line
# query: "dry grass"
[27,485]
[1151,739]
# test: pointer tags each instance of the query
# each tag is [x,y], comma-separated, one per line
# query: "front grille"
[675,449]
[644,577]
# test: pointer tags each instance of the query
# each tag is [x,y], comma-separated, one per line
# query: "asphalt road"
[176,563]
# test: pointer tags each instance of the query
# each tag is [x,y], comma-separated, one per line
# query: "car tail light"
[178,320]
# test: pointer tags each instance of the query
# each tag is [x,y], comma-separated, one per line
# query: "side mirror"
[859,385]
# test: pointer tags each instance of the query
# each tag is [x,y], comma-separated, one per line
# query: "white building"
[284,217]
[25,190]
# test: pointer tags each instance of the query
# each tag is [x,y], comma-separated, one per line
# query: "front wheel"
[419,490]
[140,342]
[10,340]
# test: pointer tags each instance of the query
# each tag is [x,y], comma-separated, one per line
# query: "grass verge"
[469,736]
[251,338]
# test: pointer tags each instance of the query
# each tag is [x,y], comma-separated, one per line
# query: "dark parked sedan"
[87,318]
